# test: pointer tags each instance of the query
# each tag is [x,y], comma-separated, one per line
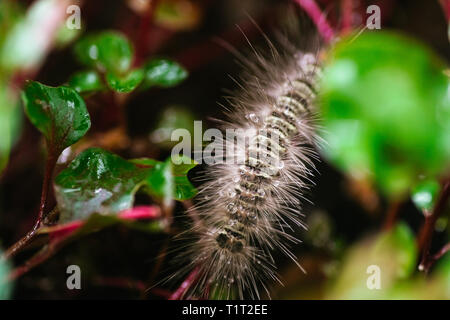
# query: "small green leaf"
[126,83]
[108,51]
[163,73]
[86,81]
[425,193]
[97,182]
[5,285]
[58,112]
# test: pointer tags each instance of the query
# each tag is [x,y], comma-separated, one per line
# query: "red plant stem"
[426,233]
[36,260]
[446,7]
[65,231]
[317,16]
[347,16]
[143,33]
[190,279]
[392,214]
[436,257]
[49,167]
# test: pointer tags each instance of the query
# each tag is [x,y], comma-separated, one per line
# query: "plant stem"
[426,234]
[317,16]
[392,214]
[446,8]
[190,279]
[347,12]
[49,167]
[44,254]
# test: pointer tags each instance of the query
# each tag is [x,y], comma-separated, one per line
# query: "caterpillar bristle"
[246,209]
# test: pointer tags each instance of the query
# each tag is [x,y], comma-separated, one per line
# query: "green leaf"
[126,83]
[425,193]
[163,73]
[58,112]
[97,181]
[5,285]
[168,180]
[393,253]
[381,94]
[184,190]
[108,51]
[86,81]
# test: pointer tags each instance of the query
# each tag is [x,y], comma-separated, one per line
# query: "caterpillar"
[247,207]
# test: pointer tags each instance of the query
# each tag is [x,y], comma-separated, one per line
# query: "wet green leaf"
[108,51]
[58,112]
[425,193]
[97,181]
[86,81]
[126,83]
[163,73]
[380,97]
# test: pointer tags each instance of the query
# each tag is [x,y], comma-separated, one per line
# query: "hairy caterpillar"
[247,206]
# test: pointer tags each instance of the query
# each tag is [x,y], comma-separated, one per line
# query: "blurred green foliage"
[5,286]
[86,81]
[112,55]
[394,253]
[386,112]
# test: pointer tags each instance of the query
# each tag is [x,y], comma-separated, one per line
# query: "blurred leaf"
[97,182]
[58,112]
[424,194]
[126,83]
[163,73]
[6,125]
[380,97]
[172,118]
[86,81]
[65,36]
[178,14]
[393,252]
[441,275]
[10,13]
[30,38]
[5,286]
[108,51]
